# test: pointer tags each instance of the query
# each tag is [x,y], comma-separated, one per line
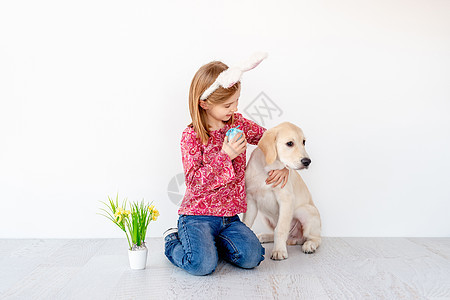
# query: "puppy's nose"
[306,161]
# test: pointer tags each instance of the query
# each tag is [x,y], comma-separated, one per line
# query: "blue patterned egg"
[231,133]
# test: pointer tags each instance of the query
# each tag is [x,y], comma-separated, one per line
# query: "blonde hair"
[202,80]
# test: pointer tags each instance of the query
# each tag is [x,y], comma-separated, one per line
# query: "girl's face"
[219,113]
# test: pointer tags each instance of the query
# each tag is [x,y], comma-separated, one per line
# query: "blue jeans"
[201,240]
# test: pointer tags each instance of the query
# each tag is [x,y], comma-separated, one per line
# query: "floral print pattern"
[215,184]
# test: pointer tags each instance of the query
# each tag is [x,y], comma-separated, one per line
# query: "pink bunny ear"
[229,77]
[232,75]
[253,61]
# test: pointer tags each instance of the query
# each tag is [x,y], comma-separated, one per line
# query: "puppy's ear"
[267,143]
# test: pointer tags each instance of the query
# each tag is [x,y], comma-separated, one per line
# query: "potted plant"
[134,223]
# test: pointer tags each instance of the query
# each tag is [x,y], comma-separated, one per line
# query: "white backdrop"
[94,97]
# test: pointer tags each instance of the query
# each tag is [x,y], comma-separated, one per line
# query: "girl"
[214,167]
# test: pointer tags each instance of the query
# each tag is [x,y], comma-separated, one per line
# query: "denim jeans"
[202,240]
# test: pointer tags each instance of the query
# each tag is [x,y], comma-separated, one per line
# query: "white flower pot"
[138,258]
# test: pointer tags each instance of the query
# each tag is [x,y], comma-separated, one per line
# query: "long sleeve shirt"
[215,184]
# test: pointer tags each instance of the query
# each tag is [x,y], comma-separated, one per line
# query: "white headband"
[233,74]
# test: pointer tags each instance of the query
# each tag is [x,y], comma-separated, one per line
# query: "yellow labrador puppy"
[289,211]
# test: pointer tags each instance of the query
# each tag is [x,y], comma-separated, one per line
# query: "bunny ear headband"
[232,75]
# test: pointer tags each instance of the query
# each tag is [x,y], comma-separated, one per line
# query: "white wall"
[94,99]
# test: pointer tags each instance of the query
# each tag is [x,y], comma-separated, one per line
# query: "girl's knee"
[250,257]
[202,266]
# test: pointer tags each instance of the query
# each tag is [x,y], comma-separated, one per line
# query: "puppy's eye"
[290,144]
[304,142]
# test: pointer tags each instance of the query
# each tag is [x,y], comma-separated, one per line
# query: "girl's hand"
[278,176]
[235,147]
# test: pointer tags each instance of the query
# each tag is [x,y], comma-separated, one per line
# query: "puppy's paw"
[309,247]
[279,254]
[265,238]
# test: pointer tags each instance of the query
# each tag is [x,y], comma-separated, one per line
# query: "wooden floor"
[342,268]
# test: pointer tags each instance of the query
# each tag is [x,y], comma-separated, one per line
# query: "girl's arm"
[201,172]
[278,176]
[253,131]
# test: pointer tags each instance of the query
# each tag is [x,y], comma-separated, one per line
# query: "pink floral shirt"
[215,184]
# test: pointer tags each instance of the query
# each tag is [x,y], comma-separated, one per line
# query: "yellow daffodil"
[118,216]
[155,214]
[120,213]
